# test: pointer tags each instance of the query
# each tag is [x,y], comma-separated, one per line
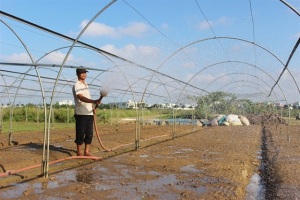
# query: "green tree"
[215,102]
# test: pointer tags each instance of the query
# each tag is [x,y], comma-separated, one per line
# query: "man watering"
[84,113]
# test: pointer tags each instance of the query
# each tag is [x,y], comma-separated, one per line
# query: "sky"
[152,51]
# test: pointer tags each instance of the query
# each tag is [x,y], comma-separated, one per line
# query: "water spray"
[103,93]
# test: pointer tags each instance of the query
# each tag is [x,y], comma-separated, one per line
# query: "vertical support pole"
[193,119]
[10,137]
[38,114]
[137,130]
[174,124]
[68,115]
[1,119]
[26,114]
[52,126]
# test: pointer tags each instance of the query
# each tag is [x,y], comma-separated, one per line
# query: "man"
[84,113]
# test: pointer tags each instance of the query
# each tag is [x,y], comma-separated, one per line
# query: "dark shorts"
[84,129]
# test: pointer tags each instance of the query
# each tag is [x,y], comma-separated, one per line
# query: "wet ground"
[236,162]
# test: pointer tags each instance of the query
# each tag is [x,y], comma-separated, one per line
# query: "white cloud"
[223,21]
[189,65]
[165,26]
[131,51]
[53,58]
[200,78]
[239,47]
[204,79]
[148,50]
[134,29]
[57,57]
[204,25]
[16,58]
[98,29]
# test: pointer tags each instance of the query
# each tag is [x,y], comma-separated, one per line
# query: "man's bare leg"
[79,153]
[87,150]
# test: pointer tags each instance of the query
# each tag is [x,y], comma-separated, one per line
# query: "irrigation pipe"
[99,139]
[108,150]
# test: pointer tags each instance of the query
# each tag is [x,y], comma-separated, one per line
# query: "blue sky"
[171,41]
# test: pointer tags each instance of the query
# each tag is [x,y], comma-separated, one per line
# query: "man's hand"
[96,102]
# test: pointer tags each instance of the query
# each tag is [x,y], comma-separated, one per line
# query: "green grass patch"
[293,121]
[32,126]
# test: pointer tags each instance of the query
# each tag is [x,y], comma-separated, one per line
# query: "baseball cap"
[81,70]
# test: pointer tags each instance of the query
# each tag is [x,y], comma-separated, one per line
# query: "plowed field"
[223,162]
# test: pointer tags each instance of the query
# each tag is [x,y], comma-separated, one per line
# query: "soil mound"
[266,119]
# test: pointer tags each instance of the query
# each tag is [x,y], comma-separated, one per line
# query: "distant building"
[167,105]
[4,105]
[126,105]
[296,104]
[279,105]
[65,102]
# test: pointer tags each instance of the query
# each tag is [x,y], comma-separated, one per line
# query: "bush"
[34,114]
[19,115]
[102,117]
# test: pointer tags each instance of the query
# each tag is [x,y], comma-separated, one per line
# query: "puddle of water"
[143,188]
[210,155]
[26,148]
[154,173]
[188,149]
[103,187]
[118,177]
[104,169]
[120,170]
[159,156]
[212,180]
[18,190]
[190,168]
[110,178]
[259,155]
[181,151]
[154,188]
[144,156]
[255,190]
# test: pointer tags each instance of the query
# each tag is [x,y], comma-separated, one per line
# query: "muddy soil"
[234,162]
